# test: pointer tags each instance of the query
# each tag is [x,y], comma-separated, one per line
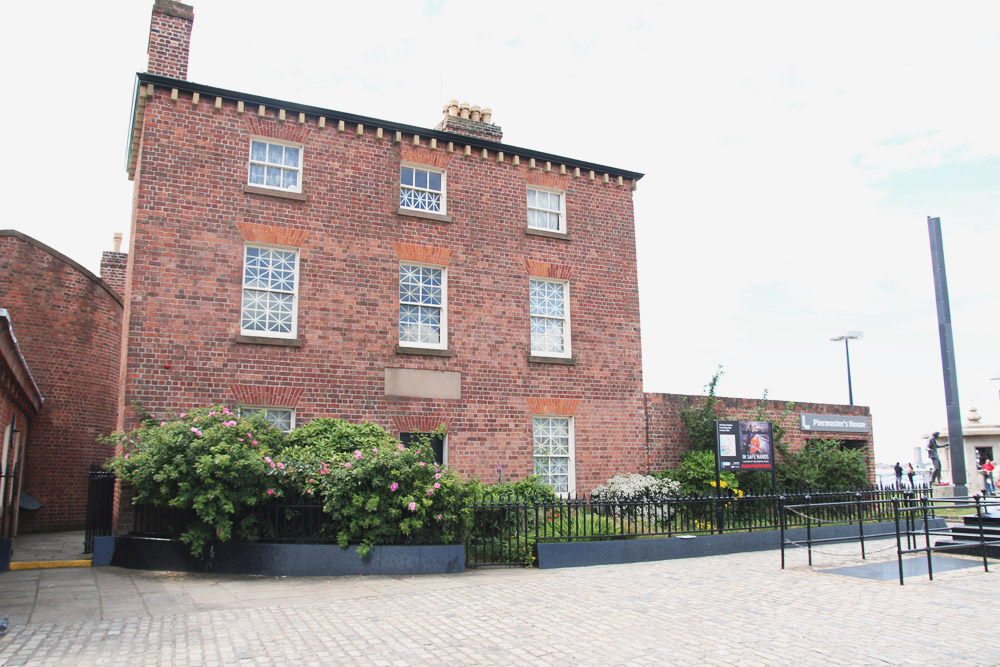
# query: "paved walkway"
[49,547]
[723,610]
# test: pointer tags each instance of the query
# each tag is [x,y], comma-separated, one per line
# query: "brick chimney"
[170,38]
[114,264]
[470,121]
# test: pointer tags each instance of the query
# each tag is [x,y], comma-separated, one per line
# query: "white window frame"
[571,465]
[444,444]
[248,410]
[283,167]
[562,209]
[567,336]
[430,170]
[293,333]
[443,343]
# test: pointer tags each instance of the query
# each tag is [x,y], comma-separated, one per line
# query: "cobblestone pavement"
[739,609]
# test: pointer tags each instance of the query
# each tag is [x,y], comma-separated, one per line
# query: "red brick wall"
[185,270]
[68,326]
[668,439]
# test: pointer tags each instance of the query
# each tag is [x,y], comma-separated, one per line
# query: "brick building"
[68,324]
[312,263]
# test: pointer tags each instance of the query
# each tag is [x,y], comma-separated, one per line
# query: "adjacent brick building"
[20,403]
[68,324]
[314,263]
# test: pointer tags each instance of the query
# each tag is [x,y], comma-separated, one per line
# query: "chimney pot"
[463,110]
[487,115]
[116,241]
[453,107]
[475,114]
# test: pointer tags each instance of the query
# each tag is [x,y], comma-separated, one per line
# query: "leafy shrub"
[324,438]
[209,460]
[531,488]
[379,494]
[696,473]
[699,422]
[823,464]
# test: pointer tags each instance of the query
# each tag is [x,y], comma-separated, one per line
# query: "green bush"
[379,493]
[696,473]
[699,422]
[209,460]
[823,464]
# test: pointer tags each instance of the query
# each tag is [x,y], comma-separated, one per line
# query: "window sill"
[267,340]
[565,236]
[425,351]
[564,361]
[436,217]
[268,192]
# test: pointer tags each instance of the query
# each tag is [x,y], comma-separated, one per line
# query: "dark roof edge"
[68,260]
[37,401]
[190,86]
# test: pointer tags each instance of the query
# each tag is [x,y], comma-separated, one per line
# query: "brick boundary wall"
[68,324]
[667,439]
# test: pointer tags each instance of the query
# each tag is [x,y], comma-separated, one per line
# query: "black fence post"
[982,537]
[809,539]
[899,542]
[780,505]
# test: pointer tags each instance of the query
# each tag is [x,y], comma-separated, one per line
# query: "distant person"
[898,469]
[932,447]
[989,487]
[910,472]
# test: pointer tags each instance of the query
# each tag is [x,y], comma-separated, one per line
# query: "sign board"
[744,445]
[836,423]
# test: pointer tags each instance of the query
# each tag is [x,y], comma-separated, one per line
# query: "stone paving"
[739,609]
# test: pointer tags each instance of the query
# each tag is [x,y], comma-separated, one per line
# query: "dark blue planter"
[146,553]
[609,552]
[5,551]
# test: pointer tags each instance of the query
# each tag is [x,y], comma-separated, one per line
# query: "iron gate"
[100,502]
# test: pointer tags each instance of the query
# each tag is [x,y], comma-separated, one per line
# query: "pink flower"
[357,454]
[430,492]
[440,516]
[183,415]
[152,416]
[392,487]
[347,465]
[281,466]
[272,465]
[254,442]
[266,458]
[240,439]
[437,485]
[399,446]
[421,464]
[413,507]
[311,481]
[437,476]
[270,492]
[163,423]
[418,451]
[196,431]
[196,417]
[309,491]
[249,435]
[226,411]
[322,472]
[375,449]
[126,456]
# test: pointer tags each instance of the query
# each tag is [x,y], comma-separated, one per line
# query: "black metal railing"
[100,506]
[8,502]
[503,530]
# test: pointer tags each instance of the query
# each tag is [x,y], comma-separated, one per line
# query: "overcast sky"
[792,153]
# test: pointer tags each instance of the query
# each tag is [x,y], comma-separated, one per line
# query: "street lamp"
[849,336]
